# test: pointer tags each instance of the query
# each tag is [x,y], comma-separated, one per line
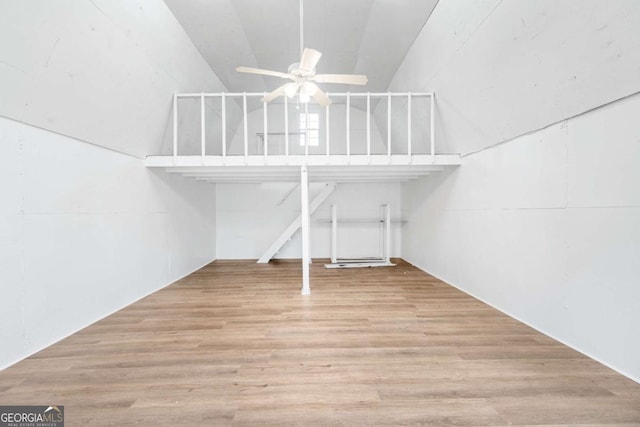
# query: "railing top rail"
[339,94]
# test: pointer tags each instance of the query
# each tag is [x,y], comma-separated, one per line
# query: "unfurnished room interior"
[320,212]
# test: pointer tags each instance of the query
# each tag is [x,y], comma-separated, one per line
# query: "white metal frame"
[383,261]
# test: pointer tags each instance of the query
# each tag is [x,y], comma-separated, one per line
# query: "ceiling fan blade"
[321,98]
[347,79]
[309,60]
[263,72]
[274,94]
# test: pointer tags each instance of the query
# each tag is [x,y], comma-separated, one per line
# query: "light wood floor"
[236,344]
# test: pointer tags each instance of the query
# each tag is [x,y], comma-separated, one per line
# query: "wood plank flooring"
[236,344]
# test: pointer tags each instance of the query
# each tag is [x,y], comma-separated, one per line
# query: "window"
[309,129]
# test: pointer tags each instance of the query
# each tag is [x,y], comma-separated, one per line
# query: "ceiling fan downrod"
[301,27]
[303,75]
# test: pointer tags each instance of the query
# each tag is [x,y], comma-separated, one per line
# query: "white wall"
[500,69]
[85,231]
[85,228]
[541,220]
[102,71]
[249,219]
[545,228]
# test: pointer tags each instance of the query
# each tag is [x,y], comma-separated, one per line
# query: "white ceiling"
[368,37]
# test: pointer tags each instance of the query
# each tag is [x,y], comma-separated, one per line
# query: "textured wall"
[545,228]
[101,71]
[500,69]
[85,231]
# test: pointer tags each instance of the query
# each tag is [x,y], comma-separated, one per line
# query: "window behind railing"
[309,129]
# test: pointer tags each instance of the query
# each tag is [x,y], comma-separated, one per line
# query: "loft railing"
[286,133]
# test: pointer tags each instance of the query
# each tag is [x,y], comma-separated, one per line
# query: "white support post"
[409,126]
[224,126]
[304,189]
[326,130]
[334,234]
[348,125]
[244,123]
[368,127]
[387,240]
[265,141]
[306,129]
[432,115]
[202,127]
[286,127]
[175,127]
[389,126]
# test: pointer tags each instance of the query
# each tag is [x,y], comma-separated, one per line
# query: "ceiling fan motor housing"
[295,70]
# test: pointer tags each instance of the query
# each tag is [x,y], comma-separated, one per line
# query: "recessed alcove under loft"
[357,138]
[360,137]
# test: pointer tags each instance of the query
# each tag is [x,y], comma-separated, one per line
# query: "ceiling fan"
[304,76]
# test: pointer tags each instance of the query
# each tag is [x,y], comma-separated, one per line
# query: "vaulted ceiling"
[105,72]
[368,37]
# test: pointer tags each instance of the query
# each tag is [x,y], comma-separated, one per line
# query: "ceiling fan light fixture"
[290,89]
[309,89]
[304,98]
